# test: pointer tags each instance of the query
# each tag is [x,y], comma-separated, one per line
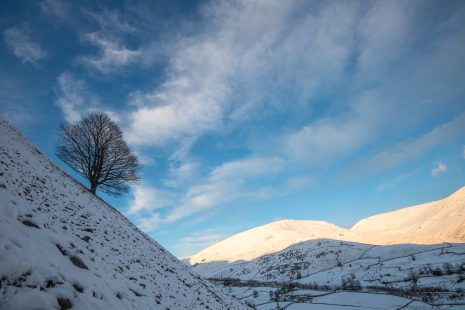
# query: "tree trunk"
[93,188]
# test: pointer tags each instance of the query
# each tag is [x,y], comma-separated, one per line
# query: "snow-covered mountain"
[430,223]
[413,258]
[267,239]
[61,247]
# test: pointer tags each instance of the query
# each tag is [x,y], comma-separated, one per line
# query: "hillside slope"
[269,238]
[316,274]
[429,223]
[61,247]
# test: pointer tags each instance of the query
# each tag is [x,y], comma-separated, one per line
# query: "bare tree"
[94,147]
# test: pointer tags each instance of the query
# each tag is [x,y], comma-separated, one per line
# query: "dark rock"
[78,262]
[78,288]
[64,303]
[30,224]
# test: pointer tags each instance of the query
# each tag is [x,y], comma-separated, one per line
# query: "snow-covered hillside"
[61,247]
[267,239]
[430,223]
[421,275]
[320,260]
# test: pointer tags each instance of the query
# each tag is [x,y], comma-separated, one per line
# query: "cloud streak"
[443,134]
[224,184]
[440,168]
[221,77]
[21,45]
[113,54]
[74,97]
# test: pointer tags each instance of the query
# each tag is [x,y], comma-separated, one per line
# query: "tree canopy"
[95,148]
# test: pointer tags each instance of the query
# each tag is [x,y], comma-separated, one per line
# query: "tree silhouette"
[95,148]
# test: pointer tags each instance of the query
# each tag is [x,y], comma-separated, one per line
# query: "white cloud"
[114,31]
[225,183]
[150,222]
[111,20]
[336,137]
[225,74]
[182,173]
[440,168]
[19,43]
[327,139]
[113,54]
[74,97]
[463,153]
[148,198]
[57,8]
[384,33]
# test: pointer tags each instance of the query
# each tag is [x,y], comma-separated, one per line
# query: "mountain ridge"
[429,223]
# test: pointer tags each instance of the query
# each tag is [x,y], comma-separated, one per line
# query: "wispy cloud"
[225,183]
[74,97]
[235,52]
[388,184]
[182,173]
[384,33]
[405,151]
[111,20]
[112,53]
[335,90]
[148,198]
[58,8]
[111,39]
[440,168]
[19,42]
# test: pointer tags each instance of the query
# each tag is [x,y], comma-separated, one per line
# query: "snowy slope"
[434,222]
[61,247]
[430,223]
[267,239]
[378,256]
[331,262]
[434,274]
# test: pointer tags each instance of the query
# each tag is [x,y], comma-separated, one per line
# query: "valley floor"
[269,297]
[330,274]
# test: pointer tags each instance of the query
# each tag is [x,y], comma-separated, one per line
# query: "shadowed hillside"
[62,247]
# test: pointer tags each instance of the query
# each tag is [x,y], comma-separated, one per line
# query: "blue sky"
[244,112]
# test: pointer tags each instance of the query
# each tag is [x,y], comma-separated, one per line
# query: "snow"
[267,239]
[417,252]
[366,300]
[431,223]
[313,299]
[61,244]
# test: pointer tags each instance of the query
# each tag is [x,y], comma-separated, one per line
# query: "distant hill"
[430,223]
[434,222]
[61,247]
[376,264]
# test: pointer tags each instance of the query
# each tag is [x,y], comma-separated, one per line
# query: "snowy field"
[264,298]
